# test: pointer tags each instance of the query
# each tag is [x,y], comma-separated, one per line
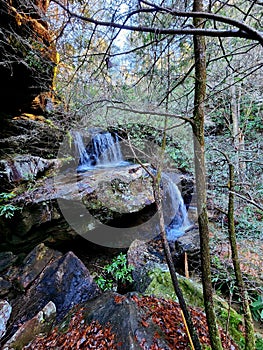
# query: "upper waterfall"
[103,150]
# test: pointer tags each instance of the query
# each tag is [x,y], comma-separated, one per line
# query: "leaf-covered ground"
[165,314]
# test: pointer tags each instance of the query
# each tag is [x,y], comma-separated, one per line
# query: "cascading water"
[104,150]
[175,209]
[80,147]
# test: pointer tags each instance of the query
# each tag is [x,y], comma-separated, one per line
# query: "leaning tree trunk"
[192,331]
[193,338]
[200,175]
[249,329]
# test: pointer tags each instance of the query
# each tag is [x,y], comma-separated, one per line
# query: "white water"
[80,147]
[104,151]
[174,209]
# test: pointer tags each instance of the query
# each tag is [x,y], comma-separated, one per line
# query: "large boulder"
[120,197]
[118,322]
[48,276]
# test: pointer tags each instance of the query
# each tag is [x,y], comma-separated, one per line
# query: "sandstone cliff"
[27,55]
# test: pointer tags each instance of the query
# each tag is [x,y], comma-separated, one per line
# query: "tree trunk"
[200,172]
[249,329]
[169,260]
[237,134]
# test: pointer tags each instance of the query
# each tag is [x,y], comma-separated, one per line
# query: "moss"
[161,286]
[235,320]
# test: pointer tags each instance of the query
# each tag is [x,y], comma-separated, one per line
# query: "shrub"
[116,272]
[7,209]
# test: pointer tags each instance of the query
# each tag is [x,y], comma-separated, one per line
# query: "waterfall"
[80,147]
[174,209]
[103,150]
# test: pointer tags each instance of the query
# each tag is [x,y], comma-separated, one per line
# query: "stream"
[104,151]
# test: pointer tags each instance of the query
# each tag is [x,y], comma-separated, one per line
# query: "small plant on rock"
[116,275]
[7,209]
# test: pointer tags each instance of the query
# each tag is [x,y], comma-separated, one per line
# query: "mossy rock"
[162,287]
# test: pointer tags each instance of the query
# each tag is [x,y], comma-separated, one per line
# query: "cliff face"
[27,54]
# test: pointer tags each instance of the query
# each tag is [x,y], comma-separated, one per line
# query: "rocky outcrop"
[23,167]
[47,275]
[123,196]
[59,301]
[34,136]
[27,54]
[124,322]
[46,285]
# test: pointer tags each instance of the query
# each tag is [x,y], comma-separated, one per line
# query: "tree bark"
[169,260]
[237,134]
[200,172]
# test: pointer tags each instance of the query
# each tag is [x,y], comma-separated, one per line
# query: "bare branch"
[243,31]
[248,200]
[136,111]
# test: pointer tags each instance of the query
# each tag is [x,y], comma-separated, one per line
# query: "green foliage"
[259,343]
[6,209]
[117,271]
[178,146]
[104,283]
[250,223]
[34,61]
[257,308]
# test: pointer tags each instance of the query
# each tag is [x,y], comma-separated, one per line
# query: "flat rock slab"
[116,196]
[35,263]
[65,281]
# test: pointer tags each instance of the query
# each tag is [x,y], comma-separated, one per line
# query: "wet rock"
[187,187]
[5,312]
[143,261]
[23,167]
[64,281]
[6,259]
[120,197]
[34,264]
[5,287]
[188,243]
[41,323]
